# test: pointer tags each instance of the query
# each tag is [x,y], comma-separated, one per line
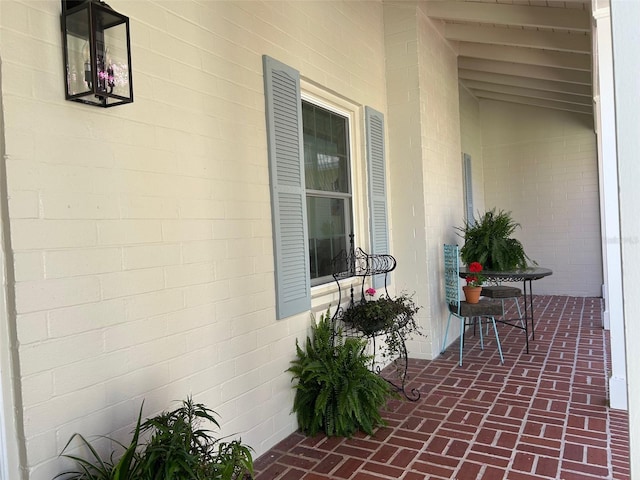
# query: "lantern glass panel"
[78,56]
[114,76]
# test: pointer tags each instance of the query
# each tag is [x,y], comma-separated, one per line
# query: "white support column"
[613,314]
[626,67]
[12,447]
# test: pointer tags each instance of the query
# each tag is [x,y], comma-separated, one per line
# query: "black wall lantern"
[97,53]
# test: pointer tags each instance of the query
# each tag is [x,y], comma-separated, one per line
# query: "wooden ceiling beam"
[524,70]
[514,37]
[528,52]
[538,102]
[528,92]
[527,82]
[531,56]
[500,14]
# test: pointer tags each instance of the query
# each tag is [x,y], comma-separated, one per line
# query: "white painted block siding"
[426,177]
[542,166]
[141,243]
[141,235]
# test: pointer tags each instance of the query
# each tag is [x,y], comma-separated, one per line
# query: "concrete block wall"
[442,165]
[141,243]
[406,182]
[542,166]
[426,170]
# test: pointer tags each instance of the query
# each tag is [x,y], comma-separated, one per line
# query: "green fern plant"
[335,391]
[487,240]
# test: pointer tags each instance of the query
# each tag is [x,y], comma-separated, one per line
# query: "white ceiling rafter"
[534,101]
[515,37]
[534,52]
[475,85]
[530,56]
[526,82]
[504,14]
[529,71]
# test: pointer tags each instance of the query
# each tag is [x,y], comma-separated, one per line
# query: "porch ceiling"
[534,52]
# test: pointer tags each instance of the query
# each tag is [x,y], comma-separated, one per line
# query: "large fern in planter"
[488,241]
[336,392]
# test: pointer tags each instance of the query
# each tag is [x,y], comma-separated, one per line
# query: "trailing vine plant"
[392,317]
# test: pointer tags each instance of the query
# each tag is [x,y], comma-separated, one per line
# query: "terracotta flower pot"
[472,294]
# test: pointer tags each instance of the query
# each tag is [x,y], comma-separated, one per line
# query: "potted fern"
[488,240]
[336,393]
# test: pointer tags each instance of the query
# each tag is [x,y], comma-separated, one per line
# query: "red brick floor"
[541,415]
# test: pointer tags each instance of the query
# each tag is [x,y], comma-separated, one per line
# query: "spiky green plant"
[128,467]
[335,391]
[180,449]
[488,240]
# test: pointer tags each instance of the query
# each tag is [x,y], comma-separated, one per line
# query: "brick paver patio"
[541,415]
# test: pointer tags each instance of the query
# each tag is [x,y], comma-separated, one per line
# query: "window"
[310,182]
[328,187]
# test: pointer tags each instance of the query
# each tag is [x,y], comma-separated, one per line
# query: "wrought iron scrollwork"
[359,264]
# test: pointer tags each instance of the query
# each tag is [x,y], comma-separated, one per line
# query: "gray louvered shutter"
[468,188]
[378,224]
[288,198]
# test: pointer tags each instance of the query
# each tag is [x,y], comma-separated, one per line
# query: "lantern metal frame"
[88,20]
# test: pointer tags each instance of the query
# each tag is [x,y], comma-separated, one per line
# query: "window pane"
[325,147]
[339,136]
[327,218]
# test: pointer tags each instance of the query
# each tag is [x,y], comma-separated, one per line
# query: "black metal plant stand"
[357,263]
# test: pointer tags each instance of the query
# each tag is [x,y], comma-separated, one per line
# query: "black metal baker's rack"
[359,264]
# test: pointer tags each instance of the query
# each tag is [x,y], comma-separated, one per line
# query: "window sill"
[327,295]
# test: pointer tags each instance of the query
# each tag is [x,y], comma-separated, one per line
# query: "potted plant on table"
[487,240]
[475,279]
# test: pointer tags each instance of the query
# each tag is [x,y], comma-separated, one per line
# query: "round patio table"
[526,276]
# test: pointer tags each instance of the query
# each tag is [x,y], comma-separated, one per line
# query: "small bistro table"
[526,276]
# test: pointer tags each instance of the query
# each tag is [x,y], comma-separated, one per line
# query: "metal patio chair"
[485,309]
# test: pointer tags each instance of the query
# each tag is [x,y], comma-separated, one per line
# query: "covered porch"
[137,253]
[538,416]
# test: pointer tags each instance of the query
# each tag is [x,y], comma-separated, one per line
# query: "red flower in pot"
[476,279]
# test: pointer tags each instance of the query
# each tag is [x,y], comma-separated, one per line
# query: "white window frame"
[324,99]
